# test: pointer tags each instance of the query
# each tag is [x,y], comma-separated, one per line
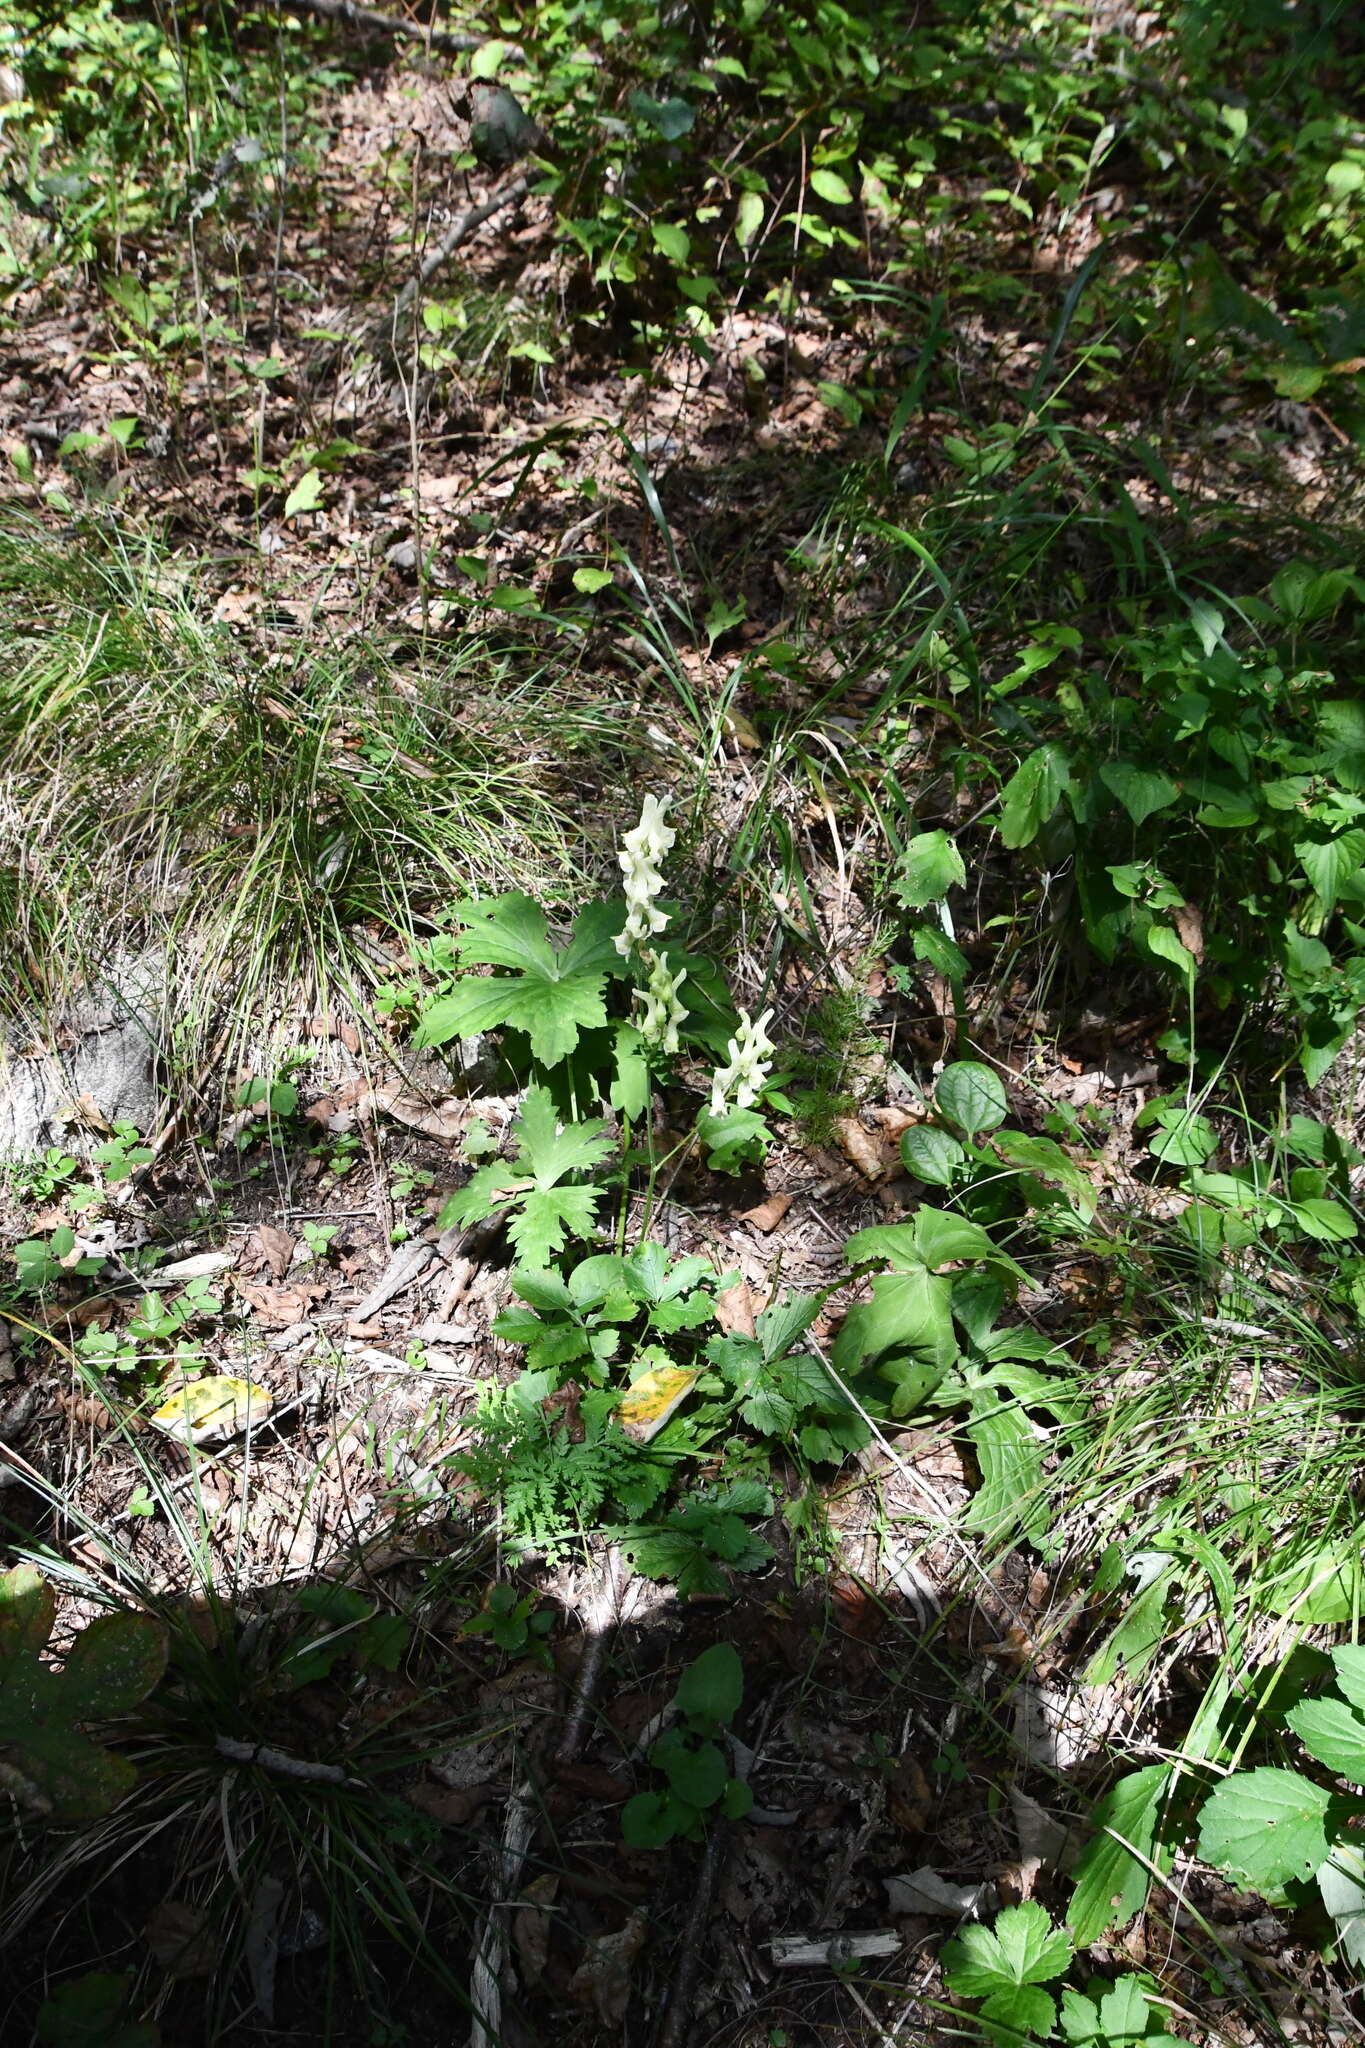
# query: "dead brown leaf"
[277,1249]
[768,1214]
[282,1306]
[453,1806]
[861,1149]
[1189,925]
[736,1308]
[181,1939]
[602,1979]
[331,1027]
[531,1924]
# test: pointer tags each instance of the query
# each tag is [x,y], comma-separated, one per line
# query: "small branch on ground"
[371,22]
[598,1625]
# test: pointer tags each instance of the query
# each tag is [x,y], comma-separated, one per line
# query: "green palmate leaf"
[1032,794]
[542,1211]
[972,1096]
[113,1664]
[929,867]
[1023,1947]
[1115,2019]
[1112,1876]
[1326,1585]
[553,996]
[1334,1733]
[1265,1827]
[1141,791]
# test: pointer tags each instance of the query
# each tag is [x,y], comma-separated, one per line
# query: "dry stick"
[369,19]
[490,1958]
[504,195]
[673,2032]
[600,1620]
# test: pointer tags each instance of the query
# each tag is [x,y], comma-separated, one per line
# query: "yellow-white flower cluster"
[738,1085]
[643,852]
[661,1013]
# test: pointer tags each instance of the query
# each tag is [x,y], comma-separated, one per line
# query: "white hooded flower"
[642,851]
[739,1084]
[661,1013]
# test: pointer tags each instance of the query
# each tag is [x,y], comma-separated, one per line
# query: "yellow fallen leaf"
[652,1399]
[217,1407]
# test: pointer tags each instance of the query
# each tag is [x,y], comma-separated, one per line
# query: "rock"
[100,1049]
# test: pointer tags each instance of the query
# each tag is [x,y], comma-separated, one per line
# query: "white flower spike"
[739,1084]
[642,852]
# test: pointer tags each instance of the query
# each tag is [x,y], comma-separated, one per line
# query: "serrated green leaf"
[928,868]
[1024,2010]
[1334,1733]
[1032,794]
[1349,1664]
[1023,1947]
[1265,1827]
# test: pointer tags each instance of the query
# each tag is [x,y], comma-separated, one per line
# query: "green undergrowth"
[243,824]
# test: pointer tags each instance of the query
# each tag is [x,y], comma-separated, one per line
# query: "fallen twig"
[490,1955]
[374,23]
[598,1624]
[280,1764]
[502,196]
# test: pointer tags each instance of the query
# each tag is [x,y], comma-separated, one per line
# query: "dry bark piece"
[768,1214]
[828,1951]
[923,1891]
[531,1925]
[403,1268]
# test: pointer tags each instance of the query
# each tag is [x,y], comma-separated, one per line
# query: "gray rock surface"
[102,1046]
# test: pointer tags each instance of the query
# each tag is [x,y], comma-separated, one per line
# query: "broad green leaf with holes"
[1334,1733]
[1264,1828]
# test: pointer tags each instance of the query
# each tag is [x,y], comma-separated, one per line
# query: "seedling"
[699,1783]
[1006,1968]
[517,1624]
